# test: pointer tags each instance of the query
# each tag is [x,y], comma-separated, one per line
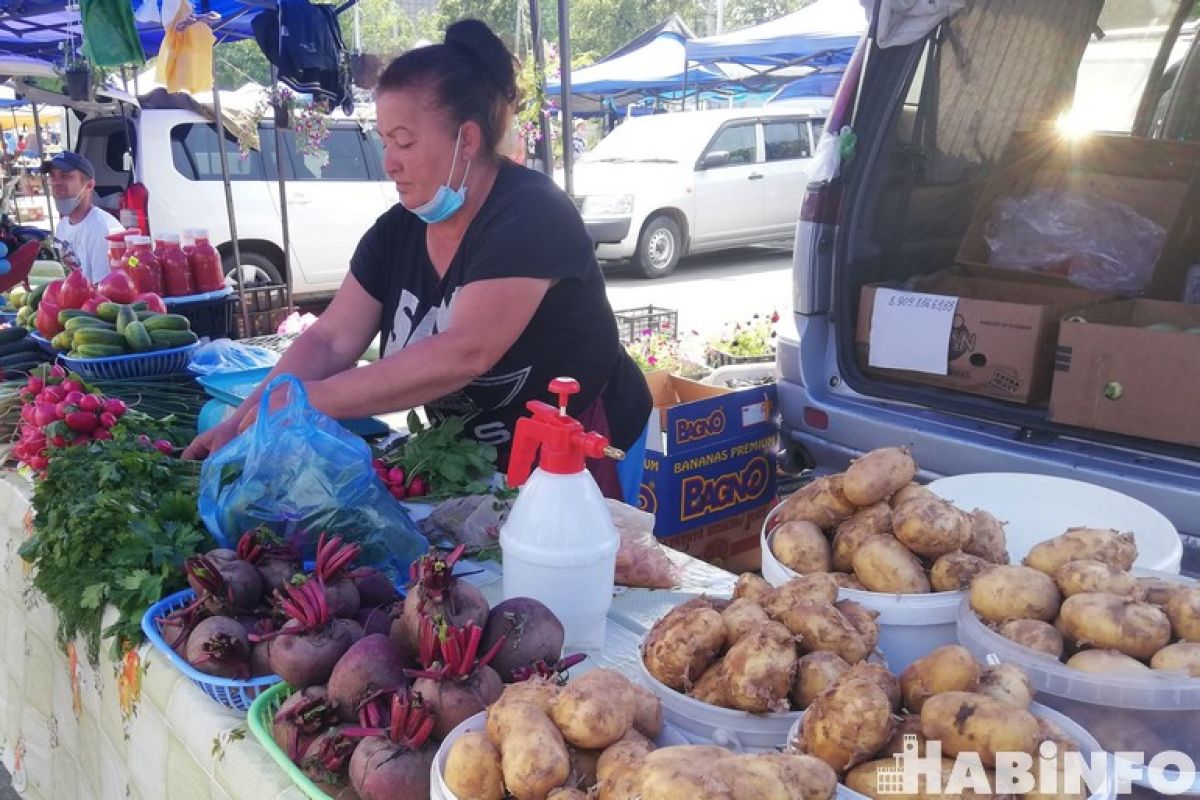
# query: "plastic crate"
[43,343]
[232,694]
[211,318]
[260,719]
[266,306]
[135,365]
[717,358]
[8,318]
[632,323]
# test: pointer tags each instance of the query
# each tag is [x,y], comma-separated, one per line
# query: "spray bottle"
[559,543]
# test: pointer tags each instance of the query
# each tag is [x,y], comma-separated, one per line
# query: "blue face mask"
[445,202]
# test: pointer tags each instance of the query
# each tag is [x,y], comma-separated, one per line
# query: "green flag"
[110,38]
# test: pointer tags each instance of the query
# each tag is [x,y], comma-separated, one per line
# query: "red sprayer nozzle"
[563,442]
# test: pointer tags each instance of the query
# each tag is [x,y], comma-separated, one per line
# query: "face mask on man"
[67,205]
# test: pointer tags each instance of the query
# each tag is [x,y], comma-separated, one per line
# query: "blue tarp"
[822,83]
[656,66]
[822,34]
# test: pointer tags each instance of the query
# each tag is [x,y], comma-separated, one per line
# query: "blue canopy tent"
[819,83]
[823,34]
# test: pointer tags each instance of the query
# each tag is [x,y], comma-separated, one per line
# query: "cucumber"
[25,345]
[35,296]
[19,358]
[25,316]
[72,313]
[137,336]
[173,338]
[140,305]
[125,316]
[98,350]
[62,342]
[77,323]
[168,322]
[90,335]
[14,334]
[108,311]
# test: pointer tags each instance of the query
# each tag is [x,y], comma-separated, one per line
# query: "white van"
[662,186]
[173,181]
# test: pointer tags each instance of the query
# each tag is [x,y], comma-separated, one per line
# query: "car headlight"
[606,205]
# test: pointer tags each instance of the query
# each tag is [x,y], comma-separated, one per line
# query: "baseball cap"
[67,160]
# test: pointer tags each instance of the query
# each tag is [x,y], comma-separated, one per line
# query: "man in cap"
[84,227]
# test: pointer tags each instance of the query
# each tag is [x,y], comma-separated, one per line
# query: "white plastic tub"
[910,625]
[1034,508]
[1125,713]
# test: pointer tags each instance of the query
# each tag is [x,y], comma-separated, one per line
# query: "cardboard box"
[1003,338]
[1113,374]
[733,544]
[1154,178]
[711,453]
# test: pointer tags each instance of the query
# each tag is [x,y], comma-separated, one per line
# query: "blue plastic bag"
[225,355]
[301,474]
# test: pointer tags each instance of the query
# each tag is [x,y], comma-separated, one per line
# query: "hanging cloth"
[110,38]
[309,52]
[186,58]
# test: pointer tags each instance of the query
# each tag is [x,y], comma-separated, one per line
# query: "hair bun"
[476,40]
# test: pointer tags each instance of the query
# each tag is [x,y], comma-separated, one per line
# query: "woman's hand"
[211,440]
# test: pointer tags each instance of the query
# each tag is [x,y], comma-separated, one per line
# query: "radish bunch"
[401,485]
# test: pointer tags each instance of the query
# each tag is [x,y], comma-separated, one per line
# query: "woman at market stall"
[482,283]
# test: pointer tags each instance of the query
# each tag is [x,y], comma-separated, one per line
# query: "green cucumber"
[77,323]
[168,322]
[108,311]
[98,350]
[173,338]
[125,316]
[35,296]
[91,335]
[137,337]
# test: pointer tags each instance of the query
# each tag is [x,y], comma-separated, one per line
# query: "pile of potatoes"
[1075,599]
[594,738]
[875,530]
[860,721]
[754,653]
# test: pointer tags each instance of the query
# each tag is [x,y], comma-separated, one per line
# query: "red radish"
[164,447]
[305,651]
[435,591]
[82,421]
[395,475]
[73,397]
[396,764]
[300,718]
[70,385]
[419,487]
[91,403]
[102,434]
[115,407]
[333,562]
[218,646]
[53,394]
[530,631]
[453,683]
[225,587]
[374,586]
[372,664]
[107,420]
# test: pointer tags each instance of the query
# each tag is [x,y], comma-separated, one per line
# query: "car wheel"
[659,247]
[257,270]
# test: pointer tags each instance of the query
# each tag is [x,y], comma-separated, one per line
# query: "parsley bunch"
[114,522]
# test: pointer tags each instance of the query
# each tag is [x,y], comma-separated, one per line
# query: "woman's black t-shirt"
[527,228]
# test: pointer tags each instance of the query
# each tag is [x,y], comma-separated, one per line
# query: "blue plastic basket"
[233,694]
[183,300]
[135,365]
[8,317]
[43,343]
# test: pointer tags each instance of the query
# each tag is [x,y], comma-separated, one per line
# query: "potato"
[538,691]
[1008,592]
[846,725]
[815,672]
[776,776]
[1060,785]
[878,475]
[1109,662]
[882,564]
[683,644]
[906,725]
[1049,732]
[861,617]
[864,779]
[473,769]
[1089,575]
[617,770]
[873,520]
[821,502]
[846,580]
[1034,634]
[1183,609]
[751,587]
[910,492]
[1007,683]
[1109,622]
[988,540]
[970,722]
[955,571]
[594,710]
[1180,657]
[1157,590]
[1112,547]
[801,546]
[565,793]
[931,527]
[950,668]
[647,713]
[685,771]
[742,616]
[761,667]
[816,588]
[713,686]
[821,626]
[533,755]
[878,676]
[583,766]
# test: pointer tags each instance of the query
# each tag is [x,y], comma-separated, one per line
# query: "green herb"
[114,521]
[453,463]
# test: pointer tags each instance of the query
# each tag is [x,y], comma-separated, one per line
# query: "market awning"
[656,66]
[820,83]
[823,34]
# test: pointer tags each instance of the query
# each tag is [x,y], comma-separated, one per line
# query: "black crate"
[718,358]
[633,323]
[209,318]
[267,307]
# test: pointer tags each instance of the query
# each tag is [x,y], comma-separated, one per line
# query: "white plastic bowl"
[1034,508]
[910,625]
[437,781]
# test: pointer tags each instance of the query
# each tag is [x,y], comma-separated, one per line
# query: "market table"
[139,729]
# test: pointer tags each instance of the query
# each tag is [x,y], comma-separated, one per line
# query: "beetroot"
[277,562]
[435,591]
[218,646]
[372,664]
[530,631]
[327,759]
[176,627]
[260,660]
[453,684]
[333,559]
[375,588]
[306,649]
[375,619]
[226,587]
[300,718]
[395,764]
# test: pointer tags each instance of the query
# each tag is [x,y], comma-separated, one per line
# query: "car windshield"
[659,139]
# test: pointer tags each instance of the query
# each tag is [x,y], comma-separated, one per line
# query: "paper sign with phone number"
[911,331]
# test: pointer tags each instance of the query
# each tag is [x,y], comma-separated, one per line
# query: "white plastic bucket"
[910,625]
[1034,508]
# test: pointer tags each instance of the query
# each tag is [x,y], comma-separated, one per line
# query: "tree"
[744,13]
[239,63]
[386,30]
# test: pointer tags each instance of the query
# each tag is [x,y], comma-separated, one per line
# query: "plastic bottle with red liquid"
[117,245]
[207,272]
[176,271]
[142,265]
[187,241]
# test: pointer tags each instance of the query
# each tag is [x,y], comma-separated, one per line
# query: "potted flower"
[654,351]
[748,342]
[78,74]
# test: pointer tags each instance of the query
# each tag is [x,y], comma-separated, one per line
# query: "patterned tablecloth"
[138,729]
